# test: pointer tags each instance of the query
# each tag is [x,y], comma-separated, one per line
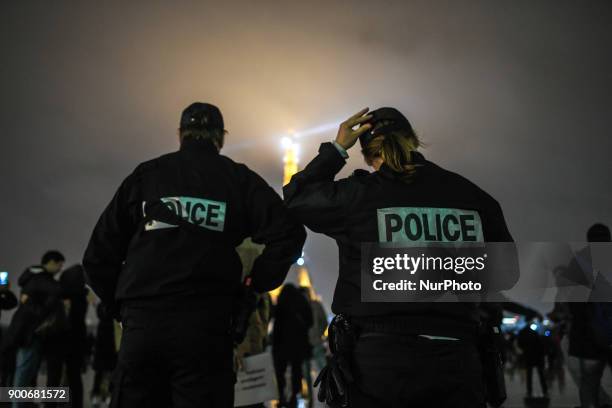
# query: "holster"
[335,377]
[492,366]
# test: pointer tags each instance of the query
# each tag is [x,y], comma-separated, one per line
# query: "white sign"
[256,382]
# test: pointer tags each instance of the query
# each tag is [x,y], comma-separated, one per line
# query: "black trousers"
[174,357]
[55,366]
[7,366]
[74,365]
[59,354]
[412,372]
[281,361]
[540,369]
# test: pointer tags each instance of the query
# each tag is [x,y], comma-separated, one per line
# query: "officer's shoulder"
[360,173]
[467,186]
[154,164]
[359,176]
[241,170]
[234,165]
[228,161]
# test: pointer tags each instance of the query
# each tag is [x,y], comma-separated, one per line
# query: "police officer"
[419,354]
[162,256]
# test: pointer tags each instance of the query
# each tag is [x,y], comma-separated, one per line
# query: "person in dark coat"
[290,342]
[39,319]
[74,342]
[163,256]
[589,334]
[8,301]
[398,204]
[534,353]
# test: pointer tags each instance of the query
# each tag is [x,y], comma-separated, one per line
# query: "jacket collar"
[416,158]
[199,145]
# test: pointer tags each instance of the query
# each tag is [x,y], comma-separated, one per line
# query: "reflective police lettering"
[393,223]
[425,224]
[205,213]
[194,214]
[213,215]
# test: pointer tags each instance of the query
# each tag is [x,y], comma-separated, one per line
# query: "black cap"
[384,120]
[203,116]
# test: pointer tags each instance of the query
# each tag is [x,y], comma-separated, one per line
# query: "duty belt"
[403,327]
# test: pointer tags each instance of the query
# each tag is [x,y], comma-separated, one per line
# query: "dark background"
[516,96]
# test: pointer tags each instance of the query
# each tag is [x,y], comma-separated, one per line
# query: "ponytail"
[395,148]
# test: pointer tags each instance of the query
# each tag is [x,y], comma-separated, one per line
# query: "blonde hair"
[395,149]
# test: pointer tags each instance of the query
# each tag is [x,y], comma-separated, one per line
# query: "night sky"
[516,96]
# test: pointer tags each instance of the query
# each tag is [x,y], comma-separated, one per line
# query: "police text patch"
[204,213]
[425,224]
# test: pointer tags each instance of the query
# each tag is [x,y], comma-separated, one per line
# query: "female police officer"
[417,354]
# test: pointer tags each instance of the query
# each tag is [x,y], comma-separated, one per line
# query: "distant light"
[546,322]
[533,327]
[286,142]
[509,320]
[547,333]
[300,261]
[290,158]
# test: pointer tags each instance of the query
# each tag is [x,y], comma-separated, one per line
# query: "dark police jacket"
[364,208]
[218,202]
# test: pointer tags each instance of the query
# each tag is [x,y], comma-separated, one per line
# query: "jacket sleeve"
[496,229]
[108,245]
[313,196]
[269,223]
[502,252]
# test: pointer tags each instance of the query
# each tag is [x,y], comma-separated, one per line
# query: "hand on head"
[348,134]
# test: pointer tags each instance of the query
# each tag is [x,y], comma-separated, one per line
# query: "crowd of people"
[48,332]
[162,261]
[575,340]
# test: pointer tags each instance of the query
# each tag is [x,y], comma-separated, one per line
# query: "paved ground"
[565,396]
[561,396]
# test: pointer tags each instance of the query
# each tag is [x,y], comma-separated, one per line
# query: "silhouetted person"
[8,301]
[492,314]
[290,344]
[588,332]
[39,318]
[317,350]
[534,354]
[163,258]
[69,350]
[413,349]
